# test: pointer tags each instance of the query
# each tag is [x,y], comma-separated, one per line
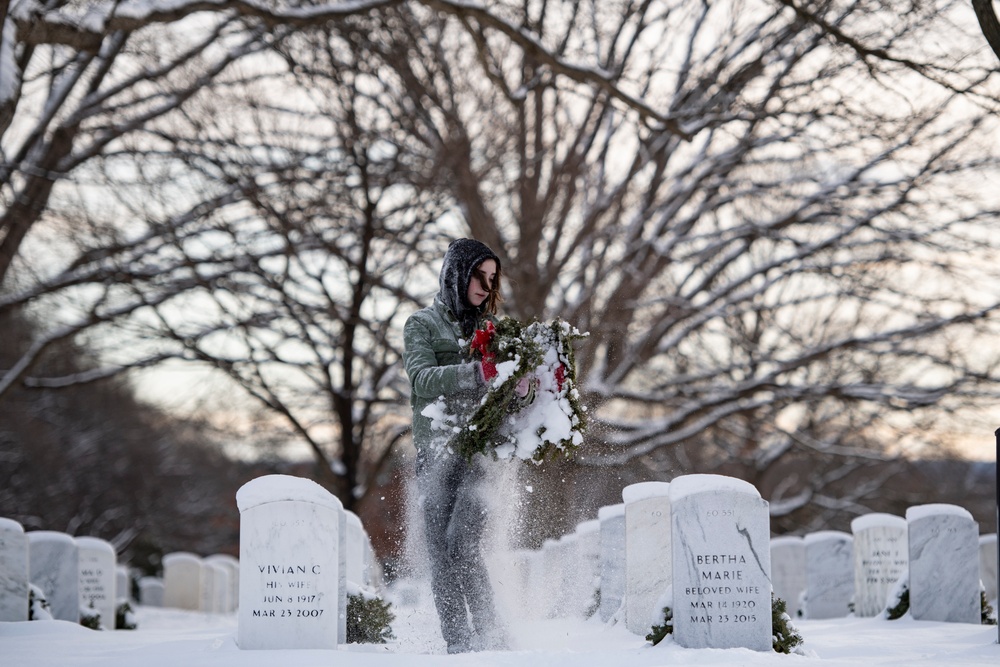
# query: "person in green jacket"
[439,366]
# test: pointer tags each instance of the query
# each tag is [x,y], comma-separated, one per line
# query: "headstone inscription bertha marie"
[289,564]
[720,530]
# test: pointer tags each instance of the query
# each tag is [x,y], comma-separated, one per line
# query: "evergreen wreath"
[544,354]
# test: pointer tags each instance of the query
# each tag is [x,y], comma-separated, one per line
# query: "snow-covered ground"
[173,638]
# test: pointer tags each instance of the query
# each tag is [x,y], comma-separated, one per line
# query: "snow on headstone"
[788,571]
[151,591]
[13,571]
[612,518]
[988,564]
[720,530]
[880,559]
[647,553]
[97,562]
[944,564]
[182,581]
[289,564]
[232,567]
[53,563]
[829,574]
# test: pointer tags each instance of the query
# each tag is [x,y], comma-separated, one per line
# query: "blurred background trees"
[772,218]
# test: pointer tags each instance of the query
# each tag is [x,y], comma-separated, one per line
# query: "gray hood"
[462,258]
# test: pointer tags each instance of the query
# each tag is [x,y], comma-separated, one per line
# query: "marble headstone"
[53,563]
[151,591]
[720,530]
[97,560]
[647,553]
[355,549]
[988,564]
[219,590]
[880,559]
[342,576]
[588,551]
[612,518]
[788,571]
[944,564]
[232,567]
[13,571]
[829,574]
[182,585]
[123,583]
[567,586]
[289,564]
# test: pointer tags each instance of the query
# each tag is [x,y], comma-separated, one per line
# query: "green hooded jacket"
[436,357]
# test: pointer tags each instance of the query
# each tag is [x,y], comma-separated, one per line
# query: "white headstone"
[567,588]
[647,553]
[219,590]
[788,571]
[53,562]
[232,567]
[880,559]
[123,583]
[151,591]
[588,552]
[944,564]
[289,564]
[988,564]
[355,549]
[612,518]
[13,571]
[342,573]
[829,574]
[720,529]
[97,561]
[182,586]
[549,579]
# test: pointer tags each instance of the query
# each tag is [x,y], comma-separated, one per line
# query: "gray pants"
[454,518]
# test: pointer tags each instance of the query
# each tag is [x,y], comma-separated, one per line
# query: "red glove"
[560,376]
[489,368]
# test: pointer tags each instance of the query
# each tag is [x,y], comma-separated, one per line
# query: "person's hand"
[489,369]
[523,387]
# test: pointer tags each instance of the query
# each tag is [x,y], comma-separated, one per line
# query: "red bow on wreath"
[481,340]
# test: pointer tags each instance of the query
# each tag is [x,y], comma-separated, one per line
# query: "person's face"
[481,282]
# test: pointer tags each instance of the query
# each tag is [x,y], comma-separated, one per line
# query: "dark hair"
[494,298]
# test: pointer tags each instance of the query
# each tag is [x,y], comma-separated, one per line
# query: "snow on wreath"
[548,420]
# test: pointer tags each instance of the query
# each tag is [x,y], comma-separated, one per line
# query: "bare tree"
[767,214]
[786,277]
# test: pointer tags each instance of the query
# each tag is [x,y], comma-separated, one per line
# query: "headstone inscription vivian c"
[829,574]
[97,578]
[944,564]
[289,564]
[720,530]
[13,572]
[53,562]
[880,559]
[647,553]
[788,571]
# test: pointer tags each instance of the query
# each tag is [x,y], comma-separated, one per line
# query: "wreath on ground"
[549,419]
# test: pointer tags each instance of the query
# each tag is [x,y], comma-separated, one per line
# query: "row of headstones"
[301,556]
[209,584]
[74,574]
[701,546]
[828,574]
